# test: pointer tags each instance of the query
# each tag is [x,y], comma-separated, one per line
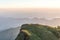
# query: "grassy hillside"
[38,32]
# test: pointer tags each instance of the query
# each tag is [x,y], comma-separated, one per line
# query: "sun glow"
[30,4]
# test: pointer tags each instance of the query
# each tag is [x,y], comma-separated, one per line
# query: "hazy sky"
[30,12]
[29,3]
[29,8]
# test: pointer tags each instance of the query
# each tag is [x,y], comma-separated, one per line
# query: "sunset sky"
[29,3]
[30,8]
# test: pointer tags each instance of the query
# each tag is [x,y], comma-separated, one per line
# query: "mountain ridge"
[38,32]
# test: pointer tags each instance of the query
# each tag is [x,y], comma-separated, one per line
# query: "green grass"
[38,32]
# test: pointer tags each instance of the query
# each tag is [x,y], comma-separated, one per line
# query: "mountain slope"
[37,32]
[9,34]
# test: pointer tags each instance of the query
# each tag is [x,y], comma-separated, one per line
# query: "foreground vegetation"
[38,32]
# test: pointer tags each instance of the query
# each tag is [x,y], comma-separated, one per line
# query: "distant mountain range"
[45,21]
[6,23]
